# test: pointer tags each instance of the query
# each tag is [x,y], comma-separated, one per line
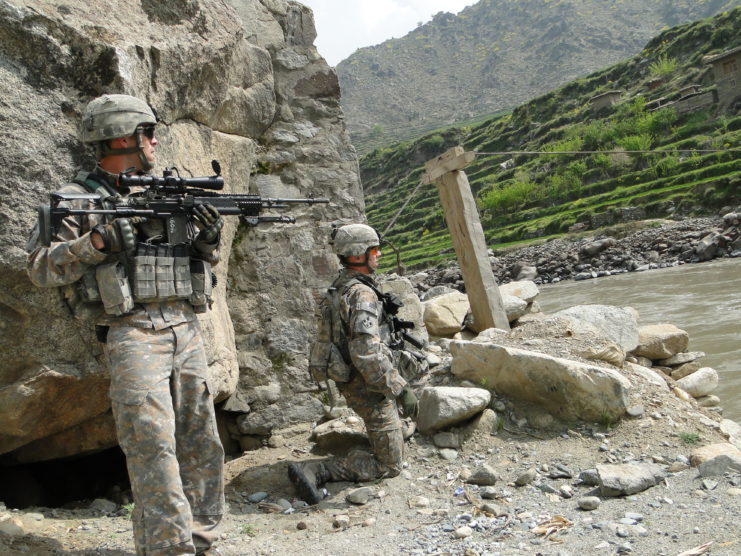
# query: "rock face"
[567,389]
[240,82]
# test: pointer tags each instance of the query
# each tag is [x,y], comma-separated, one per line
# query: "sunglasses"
[147,131]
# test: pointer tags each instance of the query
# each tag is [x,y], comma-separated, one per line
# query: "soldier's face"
[149,142]
[373,255]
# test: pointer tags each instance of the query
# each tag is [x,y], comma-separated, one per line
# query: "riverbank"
[631,247]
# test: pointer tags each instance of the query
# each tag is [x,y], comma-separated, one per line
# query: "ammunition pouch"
[326,362]
[157,272]
[202,283]
[114,288]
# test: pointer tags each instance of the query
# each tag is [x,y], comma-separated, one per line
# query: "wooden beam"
[467,234]
[454,159]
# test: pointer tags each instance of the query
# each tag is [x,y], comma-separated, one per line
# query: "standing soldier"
[352,349]
[160,397]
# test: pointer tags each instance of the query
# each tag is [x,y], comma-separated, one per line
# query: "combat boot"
[308,478]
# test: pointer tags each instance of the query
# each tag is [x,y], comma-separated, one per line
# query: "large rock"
[568,389]
[626,479]
[661,341]
[442,406]
[223,77]
[709,452]
[526,290]
[700,383]
[445,313]
[615,323]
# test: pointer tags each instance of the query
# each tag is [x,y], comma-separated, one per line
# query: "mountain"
[679,99]
[493,56]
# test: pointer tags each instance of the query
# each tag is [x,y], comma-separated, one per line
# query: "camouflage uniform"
[160,396]
[373,387]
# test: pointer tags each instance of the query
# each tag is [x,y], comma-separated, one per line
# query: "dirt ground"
[427,507]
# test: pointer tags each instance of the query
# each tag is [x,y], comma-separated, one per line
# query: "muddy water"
[703,299]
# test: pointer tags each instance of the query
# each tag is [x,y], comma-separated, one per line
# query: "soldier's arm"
[370,356]
[71,252]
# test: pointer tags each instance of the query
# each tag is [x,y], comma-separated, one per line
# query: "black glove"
[210,222]
[408,402]
[117,236]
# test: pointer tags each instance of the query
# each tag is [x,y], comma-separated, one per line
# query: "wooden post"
[467,234]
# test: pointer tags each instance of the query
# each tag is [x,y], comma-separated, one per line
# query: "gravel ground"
[431,509]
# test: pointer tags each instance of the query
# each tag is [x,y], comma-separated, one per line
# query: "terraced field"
[692,165]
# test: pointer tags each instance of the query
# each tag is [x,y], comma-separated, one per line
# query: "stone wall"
[237,81]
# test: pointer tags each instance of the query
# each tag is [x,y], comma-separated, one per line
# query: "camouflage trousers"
[383,425]
[166,426]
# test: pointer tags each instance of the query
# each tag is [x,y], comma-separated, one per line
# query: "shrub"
[662,66]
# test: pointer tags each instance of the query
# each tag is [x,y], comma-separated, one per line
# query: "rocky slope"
[493,56]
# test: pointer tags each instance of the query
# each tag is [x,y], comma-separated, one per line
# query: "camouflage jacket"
[361,313]
[71,254]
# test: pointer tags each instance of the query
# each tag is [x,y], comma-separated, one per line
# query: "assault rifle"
[172,199]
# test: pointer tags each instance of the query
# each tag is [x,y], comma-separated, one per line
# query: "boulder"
[649,375]
[231,75]
[442,406]
[706,453]
[444,314]
[660,341]
[700,383]
[681,358]
[514,307]
[626,479]
[568,389]
[615,323]
[526,290]
[342,432]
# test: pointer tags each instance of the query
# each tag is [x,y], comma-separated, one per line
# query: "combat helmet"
[353,239]
[113,116]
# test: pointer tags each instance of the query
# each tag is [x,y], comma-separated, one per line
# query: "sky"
[345,25]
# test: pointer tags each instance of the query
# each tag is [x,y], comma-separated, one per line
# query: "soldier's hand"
[409,403]
[116,237]
[210,222]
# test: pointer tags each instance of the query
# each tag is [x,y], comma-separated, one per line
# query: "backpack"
[329,356]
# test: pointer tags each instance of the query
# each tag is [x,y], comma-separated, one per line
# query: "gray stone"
[589,477]
[568,389]
[104,506]
[719,465]
[661,341]
[359,496]
[485,475]
[681,358]
[447,440]
[615,323]
[625,479]
[700,383]
[442,406]
[257,497]
[589,503]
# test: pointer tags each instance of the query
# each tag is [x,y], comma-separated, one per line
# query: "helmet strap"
[103,149]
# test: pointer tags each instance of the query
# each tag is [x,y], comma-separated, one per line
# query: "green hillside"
[546,195]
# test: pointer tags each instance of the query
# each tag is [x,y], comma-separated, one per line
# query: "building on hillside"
[689,90]
[605,99]
[727,73]
[693,101]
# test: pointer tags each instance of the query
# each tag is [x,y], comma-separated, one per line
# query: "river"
[702,299]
